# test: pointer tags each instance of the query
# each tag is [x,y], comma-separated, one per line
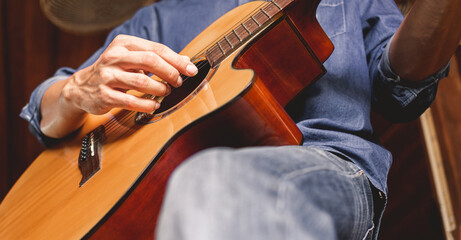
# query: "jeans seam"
[363,217]
[358,216]
[330,156]
[370,230]
[286,177]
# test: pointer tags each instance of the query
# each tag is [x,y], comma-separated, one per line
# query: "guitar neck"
[244,31]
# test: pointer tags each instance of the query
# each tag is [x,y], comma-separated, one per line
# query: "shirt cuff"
[405,91]
[32,112]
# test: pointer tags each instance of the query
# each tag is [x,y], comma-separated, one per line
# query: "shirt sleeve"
[140,25]
[400,100]
[31,112]
[396,99]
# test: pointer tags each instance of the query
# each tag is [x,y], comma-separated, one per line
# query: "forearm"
[59,116]
[426,39]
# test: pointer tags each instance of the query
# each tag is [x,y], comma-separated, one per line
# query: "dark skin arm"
[426,39]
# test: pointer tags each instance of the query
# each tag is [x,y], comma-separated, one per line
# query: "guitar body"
[234,107]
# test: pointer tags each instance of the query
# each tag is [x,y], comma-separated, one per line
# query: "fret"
[214,54]
[271,9]
[233,30]
[217,51]
[213,50]
[241,32]
[282,3]
[233,39]
[220,48]
[257,23]
[250,25]
[227,40]
[276,4]
[265,13]
[246,29]
[225,46]
[261,18]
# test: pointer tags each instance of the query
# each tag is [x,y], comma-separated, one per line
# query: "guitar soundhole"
[178,96]
[189,86]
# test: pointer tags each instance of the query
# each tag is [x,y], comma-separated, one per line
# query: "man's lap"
[267,193]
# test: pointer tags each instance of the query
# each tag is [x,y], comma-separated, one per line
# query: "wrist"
[60,114]
[69,98]
[68,103]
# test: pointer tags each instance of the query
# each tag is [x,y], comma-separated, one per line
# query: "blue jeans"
[267,193]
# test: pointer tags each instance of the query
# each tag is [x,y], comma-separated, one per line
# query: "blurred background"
[424,182]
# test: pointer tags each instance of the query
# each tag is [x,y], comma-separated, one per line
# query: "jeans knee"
[198,166]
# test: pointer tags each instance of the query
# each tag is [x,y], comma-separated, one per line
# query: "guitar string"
[245,18]
[114,128]
[127,117]
[127,114]
[119,131]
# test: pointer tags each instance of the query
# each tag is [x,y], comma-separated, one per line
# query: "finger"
[140,83]
[151,62]
[133,103]
[181,63]
[133,43]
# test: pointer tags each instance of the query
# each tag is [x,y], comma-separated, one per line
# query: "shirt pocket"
[331,16]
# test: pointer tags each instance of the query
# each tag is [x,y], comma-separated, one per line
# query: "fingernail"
[191,69]
[186,57]
[179,81]
[157,105]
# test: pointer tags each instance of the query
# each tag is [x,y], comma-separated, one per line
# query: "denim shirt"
[334,113]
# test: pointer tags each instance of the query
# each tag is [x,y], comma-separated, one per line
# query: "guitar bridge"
[89,159]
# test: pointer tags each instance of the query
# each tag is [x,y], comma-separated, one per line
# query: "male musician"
[332,187]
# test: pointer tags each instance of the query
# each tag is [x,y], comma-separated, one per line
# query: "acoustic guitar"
[107,180]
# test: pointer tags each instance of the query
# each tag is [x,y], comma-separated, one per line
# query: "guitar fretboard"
[244,31]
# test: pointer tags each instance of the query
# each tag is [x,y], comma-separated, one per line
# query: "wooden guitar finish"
[233,107]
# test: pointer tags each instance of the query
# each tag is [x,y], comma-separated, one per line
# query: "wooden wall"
[412,193]
[446,112]
[412,211]
[3,137]
[31,50]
